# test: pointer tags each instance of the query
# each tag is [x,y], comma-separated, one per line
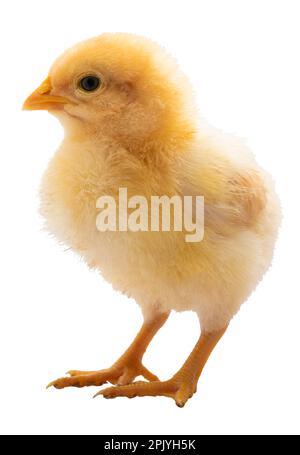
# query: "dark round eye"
[89,83]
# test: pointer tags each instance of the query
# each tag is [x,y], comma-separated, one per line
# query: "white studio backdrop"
[243,60]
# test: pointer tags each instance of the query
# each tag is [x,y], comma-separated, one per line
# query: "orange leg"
[182,385]
[126,369]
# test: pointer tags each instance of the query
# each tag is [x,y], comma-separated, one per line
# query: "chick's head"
[122,86]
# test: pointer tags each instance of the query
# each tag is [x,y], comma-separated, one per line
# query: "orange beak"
[41,99]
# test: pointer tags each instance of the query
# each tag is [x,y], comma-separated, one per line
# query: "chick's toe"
[117,374]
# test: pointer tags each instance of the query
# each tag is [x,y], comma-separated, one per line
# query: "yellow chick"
[130,122]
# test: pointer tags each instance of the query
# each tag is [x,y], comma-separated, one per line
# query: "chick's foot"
[126,369]
[177,389]
[182,385]
[120,373]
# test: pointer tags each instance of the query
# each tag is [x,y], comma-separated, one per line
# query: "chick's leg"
[182,385]
[126,369]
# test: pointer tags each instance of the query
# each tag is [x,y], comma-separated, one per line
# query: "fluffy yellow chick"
[130,122]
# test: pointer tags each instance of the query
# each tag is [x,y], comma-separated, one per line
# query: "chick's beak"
[41,99]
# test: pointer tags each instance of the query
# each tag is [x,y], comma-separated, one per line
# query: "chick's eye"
[89,83]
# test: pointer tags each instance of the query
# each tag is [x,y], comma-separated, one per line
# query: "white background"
[243,60]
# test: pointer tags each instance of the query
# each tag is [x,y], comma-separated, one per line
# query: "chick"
[130,122]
